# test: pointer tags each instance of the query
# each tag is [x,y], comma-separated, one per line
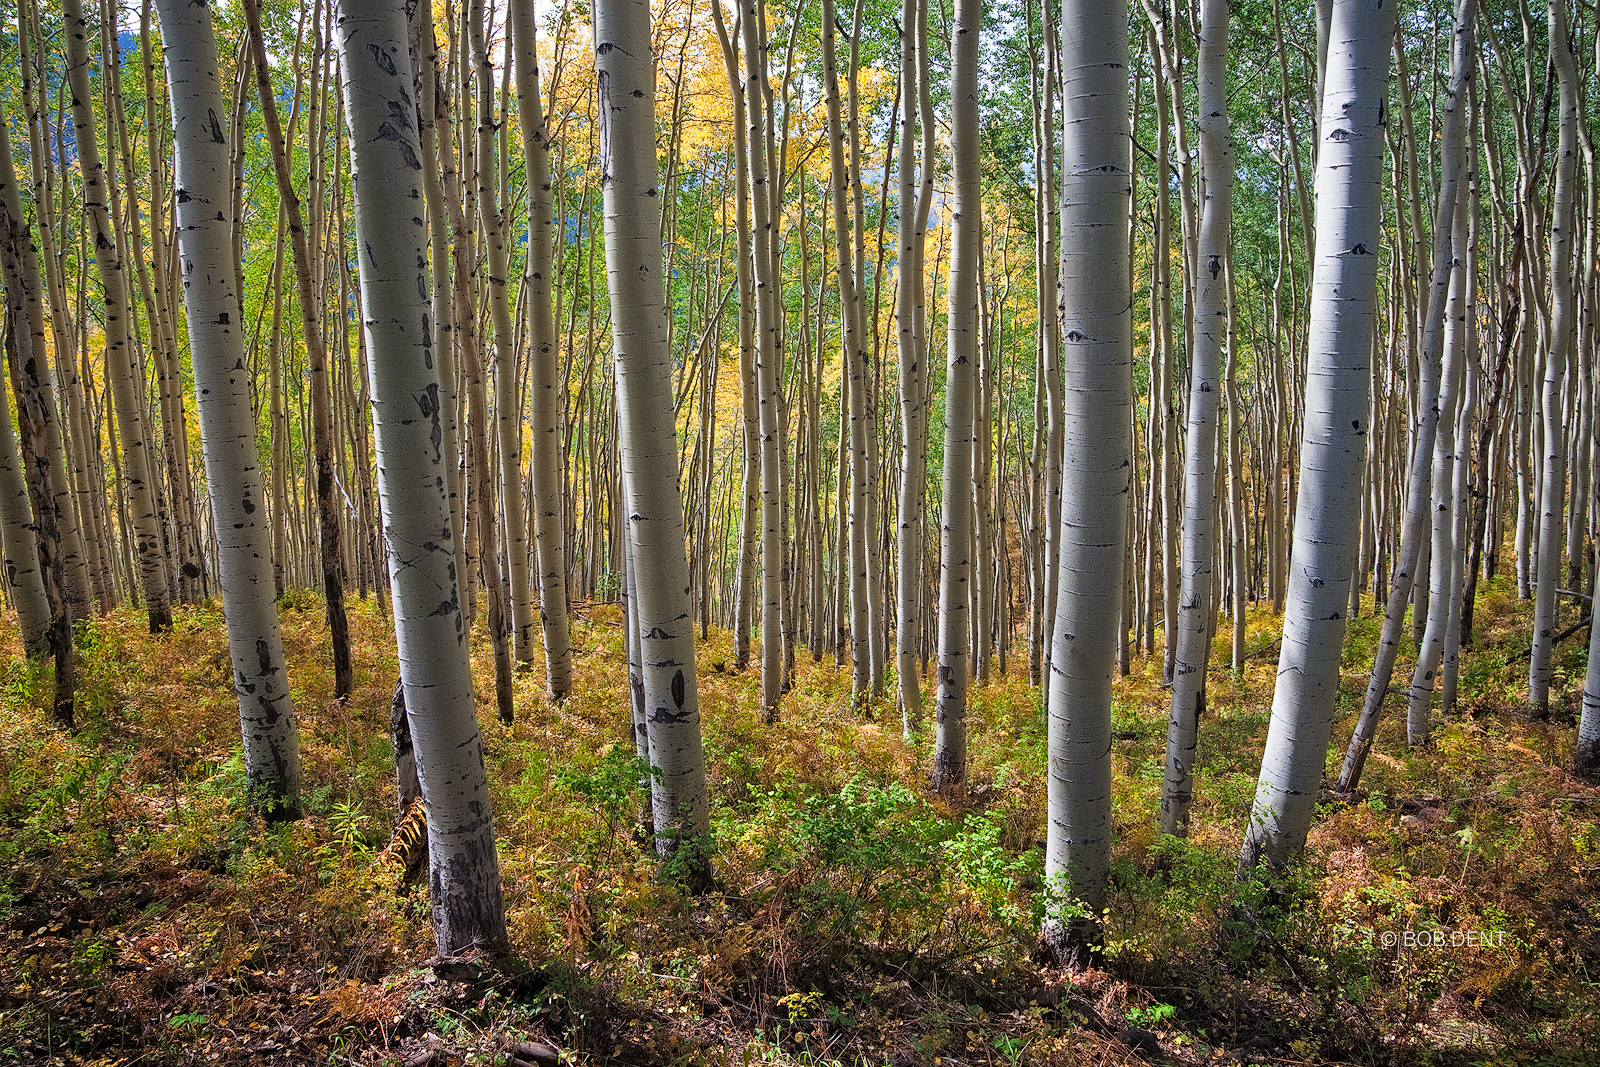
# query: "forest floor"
[856,919]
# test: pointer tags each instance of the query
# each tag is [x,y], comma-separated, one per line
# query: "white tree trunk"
[430,630]
[1196,607]
[548,386]
[1561,223]
[19,536]
[1349,227]
[648,437]
[204,191]
[137,464]
[768,354]
[1097,317]
[1414,523]
[1441,555]
[913,371]
[961,390]
[495,222]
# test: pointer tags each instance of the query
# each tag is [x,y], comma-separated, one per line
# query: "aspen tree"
[548,386]
[961,389]
[1196,610]
[1442,556]
[1554,461]
[912,373]
[653,504]
[1415,525]
[750,494]
[494,220]
[121,363]
[329,507]
[1096,304]
[768,351]
[18,535]
[1334,429]
[430,630]
[222,378]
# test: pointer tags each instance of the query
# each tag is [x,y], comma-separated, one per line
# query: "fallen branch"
[1560,637]
[1269,646]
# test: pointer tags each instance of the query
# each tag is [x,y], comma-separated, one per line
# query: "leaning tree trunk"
[61,550]
[19,543]
[311,305]
[648,437]
[386,168]
[1562,220]
[961,391]
[1196,609]
[1415,526]
[1333,444]
[1097,359]
[204,192]
[121,364]
[548,386]
[1586,758]
[1442,550]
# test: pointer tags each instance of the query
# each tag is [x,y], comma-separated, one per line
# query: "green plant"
[1153,1016]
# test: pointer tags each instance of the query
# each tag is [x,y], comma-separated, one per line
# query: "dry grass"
[856,919]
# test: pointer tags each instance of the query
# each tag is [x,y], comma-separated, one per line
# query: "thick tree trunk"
[648,438]
[429,627]
[227,419]
[1097,317]
[1334,432]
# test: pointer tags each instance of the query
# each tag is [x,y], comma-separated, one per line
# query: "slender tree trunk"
[548,386]
[19,533]
[122,368]
[495,221]
[648,437]
[768,355]
[913,370]
[1563,217]
[386,167]
[227,419]
[750,495]
[329,506]
[1196,609]
[1415,525]
[961,389]
[864,617]
[1441,565]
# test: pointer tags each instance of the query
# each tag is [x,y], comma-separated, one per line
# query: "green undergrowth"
[855,918]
